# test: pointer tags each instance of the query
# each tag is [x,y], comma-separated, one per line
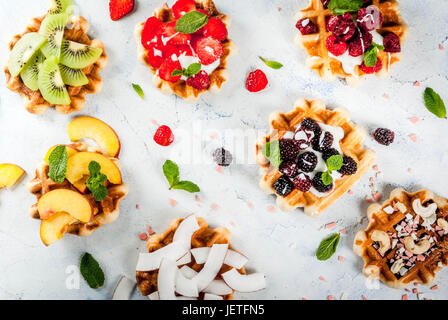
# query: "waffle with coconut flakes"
[307,137]
[337,45]
[155,49]
[190,260]
[405,241]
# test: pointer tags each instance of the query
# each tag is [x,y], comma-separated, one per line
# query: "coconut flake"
[186,230]
[151,261]
[218,287]
[153,296]
[184,260]
[212,266]
[185,286]
[124,289]
[209,296]
[233,258]
[200,254]
[185,298]
[244,283]
[166,280]
[188,272]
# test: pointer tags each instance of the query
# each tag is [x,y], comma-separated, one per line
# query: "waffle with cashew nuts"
[405,241]
[328,67]
[33,100]
[351,145]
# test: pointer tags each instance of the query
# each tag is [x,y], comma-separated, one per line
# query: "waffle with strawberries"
[405,241]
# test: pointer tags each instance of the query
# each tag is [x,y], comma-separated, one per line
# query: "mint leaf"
[177,72]
[139,90]
[371,56]
[96,180]
[58,164]
[271,64]
[434,103]
[327,178]
[339,7]
[91,271]
[191,22]
[192,69]
[335,162]
[187,186]
[327,247]
[271,151]
[171,172]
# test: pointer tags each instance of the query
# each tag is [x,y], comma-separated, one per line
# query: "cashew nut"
[416,248]
[401,207]
[442,223]
[424,212]
[395,268]
[383,239]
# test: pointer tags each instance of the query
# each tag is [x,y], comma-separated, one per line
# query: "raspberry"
[391,42]
[256,81]
[200,81]
[310,124]
[152,27]
[384,136]
[164,136]
[222,157]
[335,46]
[302,182]
[283,186]
[167,68]
[369,18]
[325,3]
[181,7]
[328,153]
[306,26]
[288,150]
[374,69]
[323,142]
[349,166]
[288,168]
[359,43]
[307,161]
[175,37]
[319,185]
[208,50]
[215,28]
[342,26]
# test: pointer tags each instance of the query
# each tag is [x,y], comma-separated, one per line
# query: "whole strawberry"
[119,8]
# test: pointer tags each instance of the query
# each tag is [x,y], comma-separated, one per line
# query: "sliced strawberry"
[155,51]
[167,68]
[153,27]
[208,50]
[203,11]
[171,50]
[181,7]
[119,8]
[215,28]
[173,37]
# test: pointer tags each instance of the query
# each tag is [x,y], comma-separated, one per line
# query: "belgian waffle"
[34,102]
[382,218]
[180,88]
[204,237]
[106,211]
[329,68]
[351,145]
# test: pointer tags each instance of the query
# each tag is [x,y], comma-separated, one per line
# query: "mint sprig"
[328,246]
[333,163]
[171,172]
[339,7]
[271,64]
[91,271]
[58,164]
[191,22]
[192,69]
[434,103]
[139,90]
[96,180]
[371,55]
[271,150]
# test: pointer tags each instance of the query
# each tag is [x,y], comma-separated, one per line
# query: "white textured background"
[280,244]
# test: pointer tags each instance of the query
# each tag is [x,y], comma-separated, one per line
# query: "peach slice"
[10,174]
[54,228]
[97,130]
[78,167]
[70,151]
[64,200]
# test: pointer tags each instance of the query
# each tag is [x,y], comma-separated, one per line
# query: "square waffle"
[204,237]
[379,266]
[180,88]
[34,102]
[329,68]
[106,211]
[351,145]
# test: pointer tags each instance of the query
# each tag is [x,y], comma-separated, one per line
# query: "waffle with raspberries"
[405,241]
[326,37]
[160,51]
[292,181]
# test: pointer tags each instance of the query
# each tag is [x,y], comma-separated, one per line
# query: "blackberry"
[307,161]
[289,168]
[302,182]
[310,124]
[349,166]
[325,3]
[283,186]
[222,157]
[384,136]
[319,185]
[322,143]
[328,153]
[288,149]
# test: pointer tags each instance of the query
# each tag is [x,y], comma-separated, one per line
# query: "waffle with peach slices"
[165,50]
[405,241]
[337,45]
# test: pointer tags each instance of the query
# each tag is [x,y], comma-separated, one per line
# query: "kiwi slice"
[30,72]
[60,6]
[73,77]
[77,55]
[53,29]
[23,50]
[50,82]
